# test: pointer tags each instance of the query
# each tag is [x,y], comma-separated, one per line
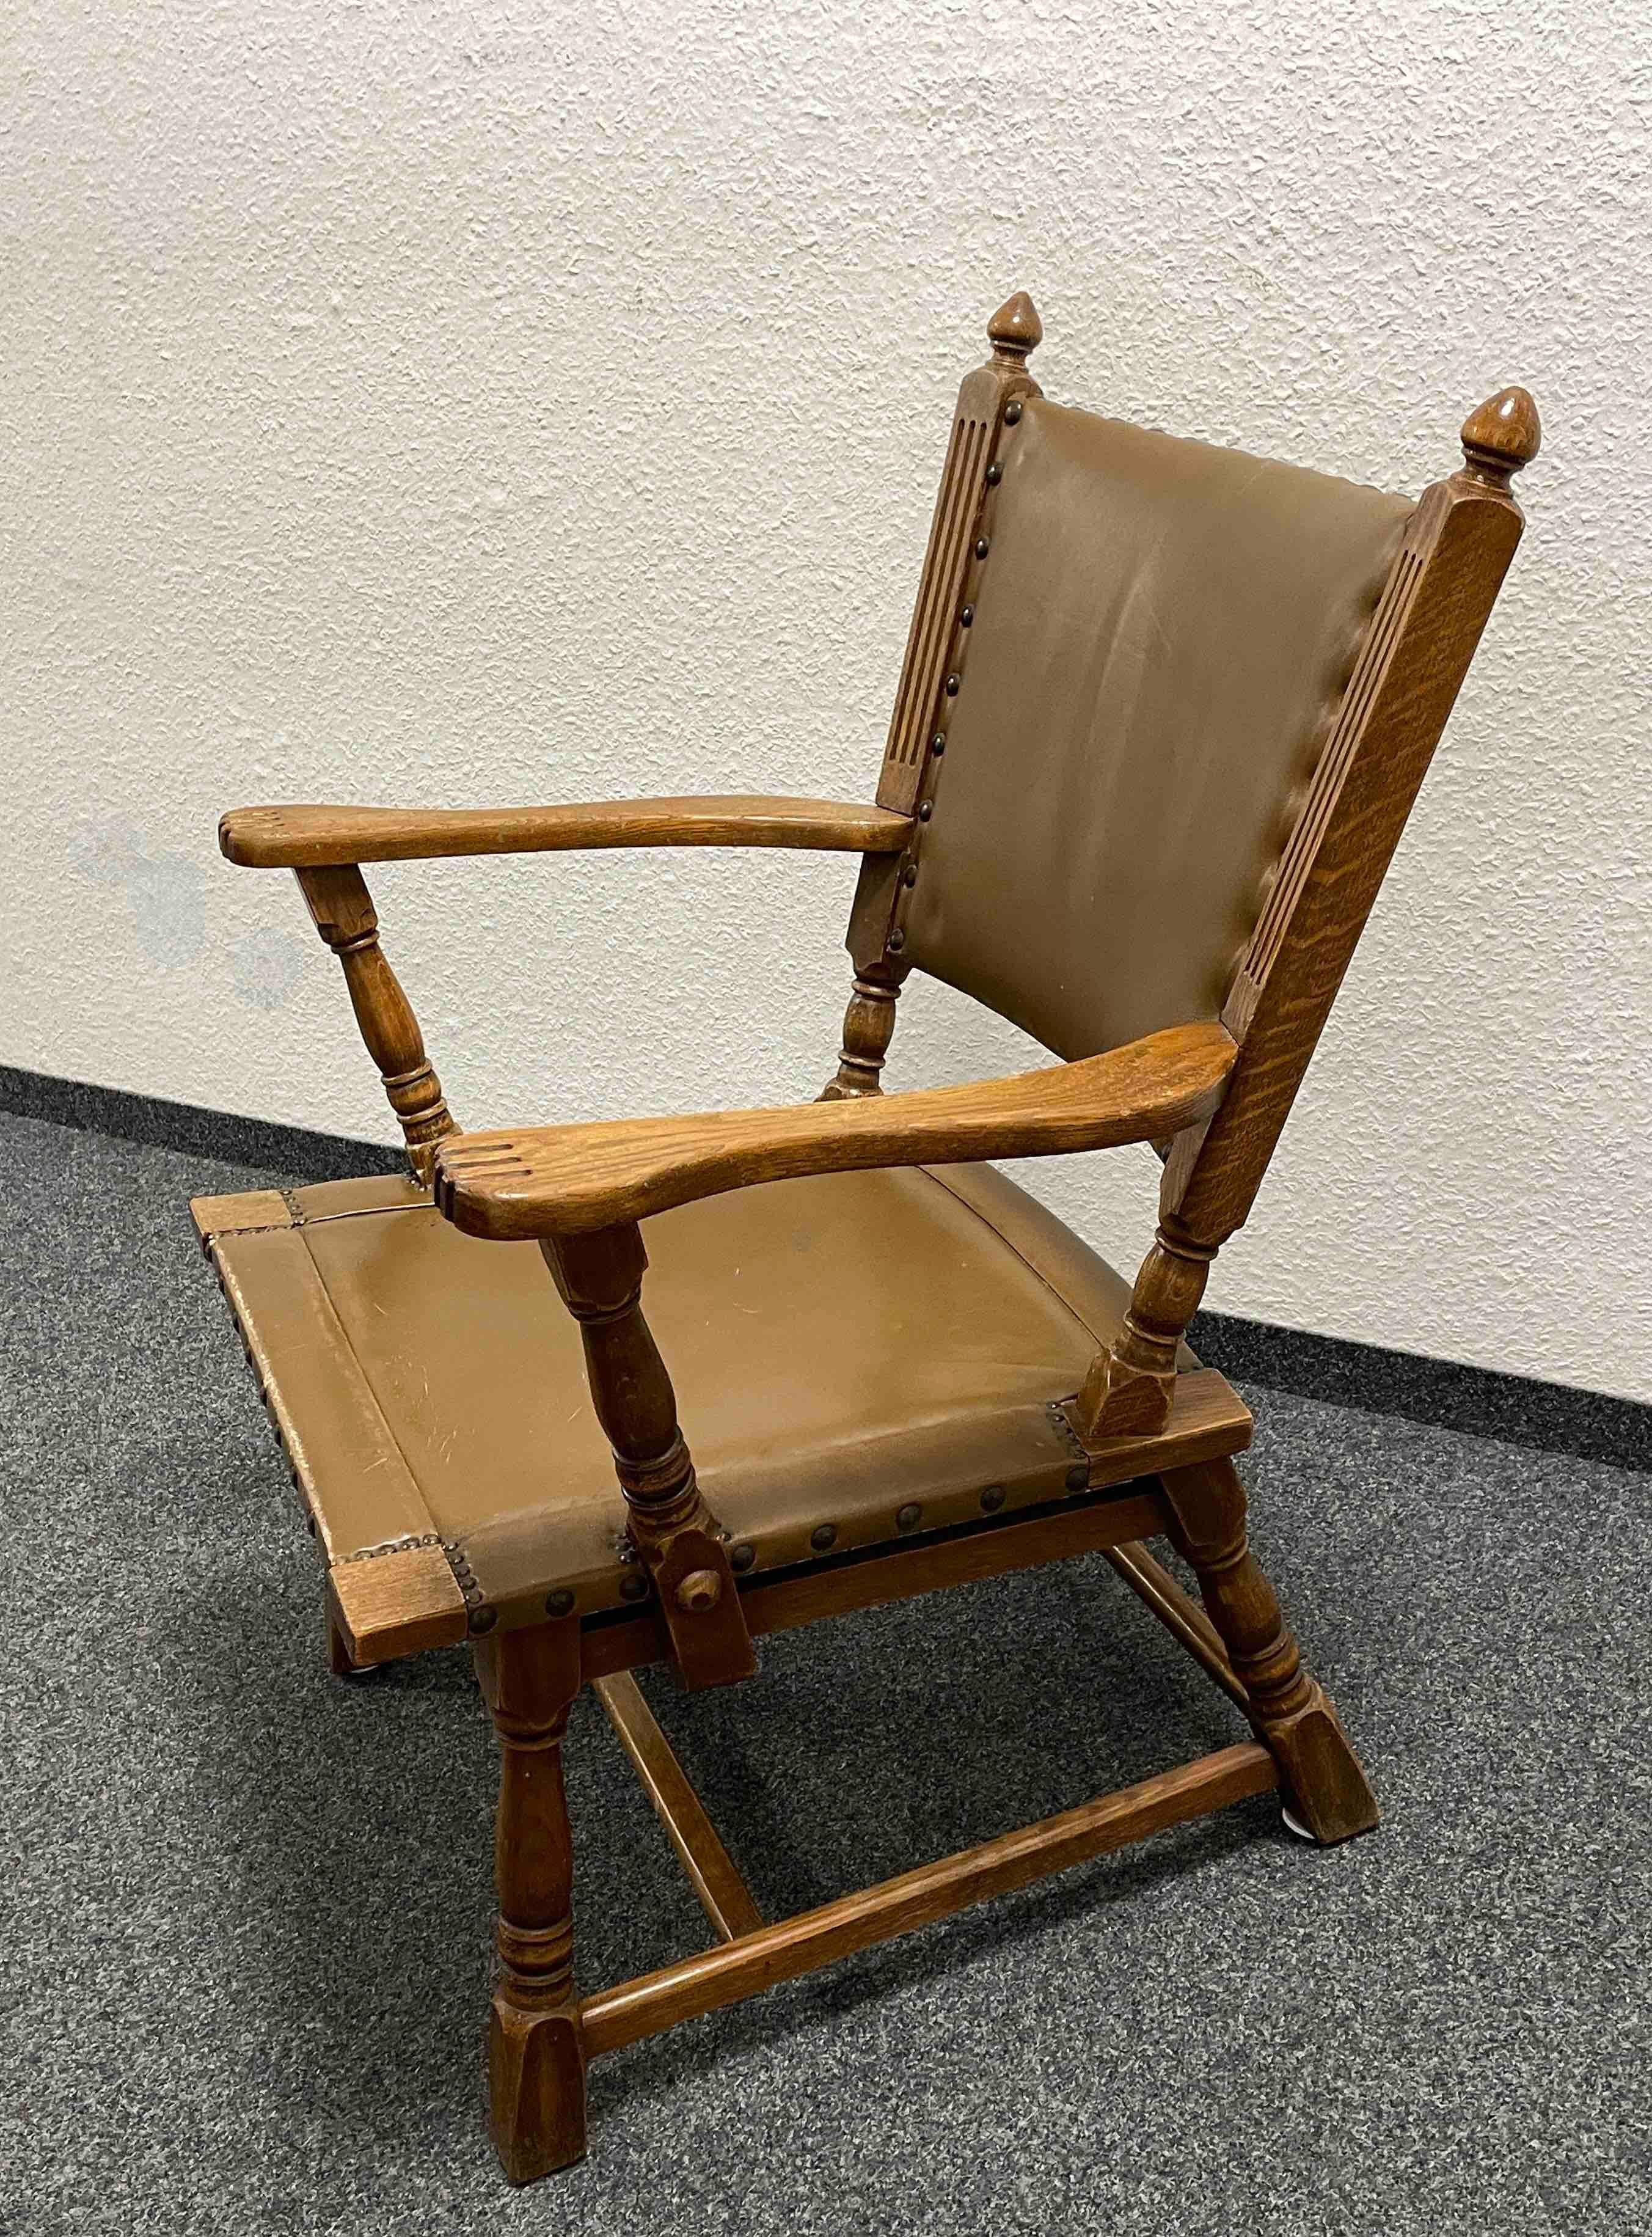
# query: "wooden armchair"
[1163,712]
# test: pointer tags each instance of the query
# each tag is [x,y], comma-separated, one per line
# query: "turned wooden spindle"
[343,912]
[868,1027]
[536,2053]
[599,1278]
[1205,1511]
[1129,1387]
[1501,436]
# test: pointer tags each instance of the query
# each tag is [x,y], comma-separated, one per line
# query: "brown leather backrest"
[1161,633]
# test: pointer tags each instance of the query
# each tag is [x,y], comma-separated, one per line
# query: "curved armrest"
[539,1182]
[311,838]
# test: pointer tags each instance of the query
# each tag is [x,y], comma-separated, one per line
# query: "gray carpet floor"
[245,1911]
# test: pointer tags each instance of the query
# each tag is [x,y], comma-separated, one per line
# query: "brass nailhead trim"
[390,1546]
[1013,414]
[561,1602]
[982,547]
[634,1587]
[992,1499]
[995,475]
[741,1558]
[823,1535]
[909,1516]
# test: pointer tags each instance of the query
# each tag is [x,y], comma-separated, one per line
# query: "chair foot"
[535,2089]
[536,2047]
[1321,1775]
[1327,1785]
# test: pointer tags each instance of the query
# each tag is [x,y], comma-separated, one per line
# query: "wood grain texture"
[951,563]
[1416,654]
[343,914]
[599,1278]
[1410,667]
[757,1962]
[302,837]
[1209,1421]
[714,1877]
[536,2053]
[1205,1513]
[1183,1618]
[561,1180]
[387,1605]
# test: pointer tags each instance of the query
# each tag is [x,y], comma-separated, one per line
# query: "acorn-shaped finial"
[1502,435]
[1014,329]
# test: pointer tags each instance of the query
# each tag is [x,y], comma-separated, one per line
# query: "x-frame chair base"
[541,2034]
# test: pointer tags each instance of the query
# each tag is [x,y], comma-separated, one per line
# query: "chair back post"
[989,402]
[1417,649]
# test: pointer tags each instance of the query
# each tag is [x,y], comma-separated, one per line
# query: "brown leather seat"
[1163,712]
[847,1349]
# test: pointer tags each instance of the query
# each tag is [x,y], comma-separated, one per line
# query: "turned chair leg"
[536,2053]
[1293,1719]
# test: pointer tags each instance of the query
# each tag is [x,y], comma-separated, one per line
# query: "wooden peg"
[1014,329]
[1502,435]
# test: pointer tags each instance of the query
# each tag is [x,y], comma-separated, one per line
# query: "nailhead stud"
[561,1602]
[967,618]
[484,1619]
[1078,1476]
[896,941]
[995,475]
[982,547]
[952,682]
[937,743]
[633,1587]
[992,1499]
[741,1558]
[909,875]
[909,1516]
[826,1533]
[927,811]
[1012,416]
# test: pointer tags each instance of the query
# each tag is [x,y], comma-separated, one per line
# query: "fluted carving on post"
[342,908]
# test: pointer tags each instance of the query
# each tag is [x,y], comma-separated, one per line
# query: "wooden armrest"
[309,838]
[563,1180]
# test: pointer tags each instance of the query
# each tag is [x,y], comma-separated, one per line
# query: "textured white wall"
[445,403]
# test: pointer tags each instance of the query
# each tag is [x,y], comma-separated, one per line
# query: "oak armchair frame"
[1152,1448]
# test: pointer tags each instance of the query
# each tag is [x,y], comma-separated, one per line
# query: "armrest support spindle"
[599,1278]
[343,912]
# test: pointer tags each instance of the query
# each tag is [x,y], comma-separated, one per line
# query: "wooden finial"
[1502,435]
[1014,329]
